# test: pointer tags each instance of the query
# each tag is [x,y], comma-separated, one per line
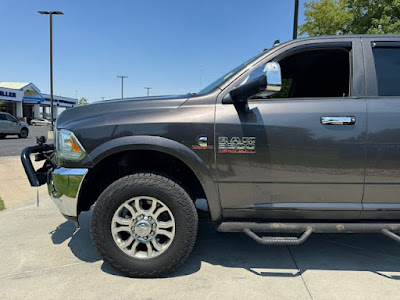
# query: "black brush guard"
[43,152]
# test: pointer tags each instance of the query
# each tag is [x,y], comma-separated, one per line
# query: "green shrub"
[2,206]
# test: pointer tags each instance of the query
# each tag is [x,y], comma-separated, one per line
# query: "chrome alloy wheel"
[143,227]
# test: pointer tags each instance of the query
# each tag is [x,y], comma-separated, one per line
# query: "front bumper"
[64,185]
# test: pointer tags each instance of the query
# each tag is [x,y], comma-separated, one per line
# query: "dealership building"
[25,101]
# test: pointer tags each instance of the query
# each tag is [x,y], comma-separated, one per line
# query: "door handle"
[338,120]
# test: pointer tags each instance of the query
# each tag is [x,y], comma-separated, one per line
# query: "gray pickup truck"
[303,138]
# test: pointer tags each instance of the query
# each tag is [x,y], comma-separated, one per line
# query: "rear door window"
[387,66]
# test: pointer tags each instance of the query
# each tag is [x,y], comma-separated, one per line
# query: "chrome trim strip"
[381,206]
[301,206]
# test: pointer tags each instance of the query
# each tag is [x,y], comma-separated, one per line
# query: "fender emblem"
[202,143]
[246,144]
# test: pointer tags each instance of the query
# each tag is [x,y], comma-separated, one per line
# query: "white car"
[40,121]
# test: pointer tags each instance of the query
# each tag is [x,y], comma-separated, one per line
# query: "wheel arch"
[132,154]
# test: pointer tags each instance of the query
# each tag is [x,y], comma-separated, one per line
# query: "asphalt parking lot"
[12,145]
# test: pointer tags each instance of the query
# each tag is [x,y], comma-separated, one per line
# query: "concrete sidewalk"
[14,185]
[42,259]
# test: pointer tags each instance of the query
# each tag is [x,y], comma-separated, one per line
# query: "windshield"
[228,75]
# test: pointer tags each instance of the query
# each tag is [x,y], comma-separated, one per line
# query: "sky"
[173,46]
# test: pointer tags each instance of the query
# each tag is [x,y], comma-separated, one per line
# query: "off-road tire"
[152,185]
[23,134]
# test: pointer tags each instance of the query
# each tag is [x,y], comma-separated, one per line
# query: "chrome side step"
[305,229]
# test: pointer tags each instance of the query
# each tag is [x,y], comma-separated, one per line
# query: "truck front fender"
[173,148]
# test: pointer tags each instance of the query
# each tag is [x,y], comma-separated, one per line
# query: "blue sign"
[8,94]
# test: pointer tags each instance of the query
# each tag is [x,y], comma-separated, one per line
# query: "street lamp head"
[43,12]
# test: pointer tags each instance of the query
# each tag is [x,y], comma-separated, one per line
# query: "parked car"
[40,121]
[303,138]
[9,125]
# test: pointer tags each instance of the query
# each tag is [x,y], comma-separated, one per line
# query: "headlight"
[68,146]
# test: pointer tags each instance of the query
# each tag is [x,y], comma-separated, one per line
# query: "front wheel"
[23,134]
[144,225]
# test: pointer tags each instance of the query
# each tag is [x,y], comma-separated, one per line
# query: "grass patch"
[2,205]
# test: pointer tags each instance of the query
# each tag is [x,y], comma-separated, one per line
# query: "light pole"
[148,90]
[295,20]
[51,13]
[122,85]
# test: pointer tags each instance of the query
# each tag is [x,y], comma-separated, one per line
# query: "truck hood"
[117,108]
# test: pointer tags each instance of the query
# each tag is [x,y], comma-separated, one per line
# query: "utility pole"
[51,13]
[122,85]
[148,90]
[296,17]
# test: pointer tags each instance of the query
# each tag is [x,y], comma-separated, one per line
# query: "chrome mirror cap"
[274,78]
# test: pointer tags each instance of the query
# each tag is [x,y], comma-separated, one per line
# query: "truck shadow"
[337,252]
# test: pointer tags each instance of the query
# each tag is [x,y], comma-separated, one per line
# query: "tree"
[332,17]
[83,101]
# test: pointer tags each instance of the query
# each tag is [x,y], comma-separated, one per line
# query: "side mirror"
[268,83]
[245,91]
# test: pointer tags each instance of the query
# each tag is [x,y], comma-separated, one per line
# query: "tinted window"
[312,74]
[315,74]
[387,65]
[2,117]
[285,88]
